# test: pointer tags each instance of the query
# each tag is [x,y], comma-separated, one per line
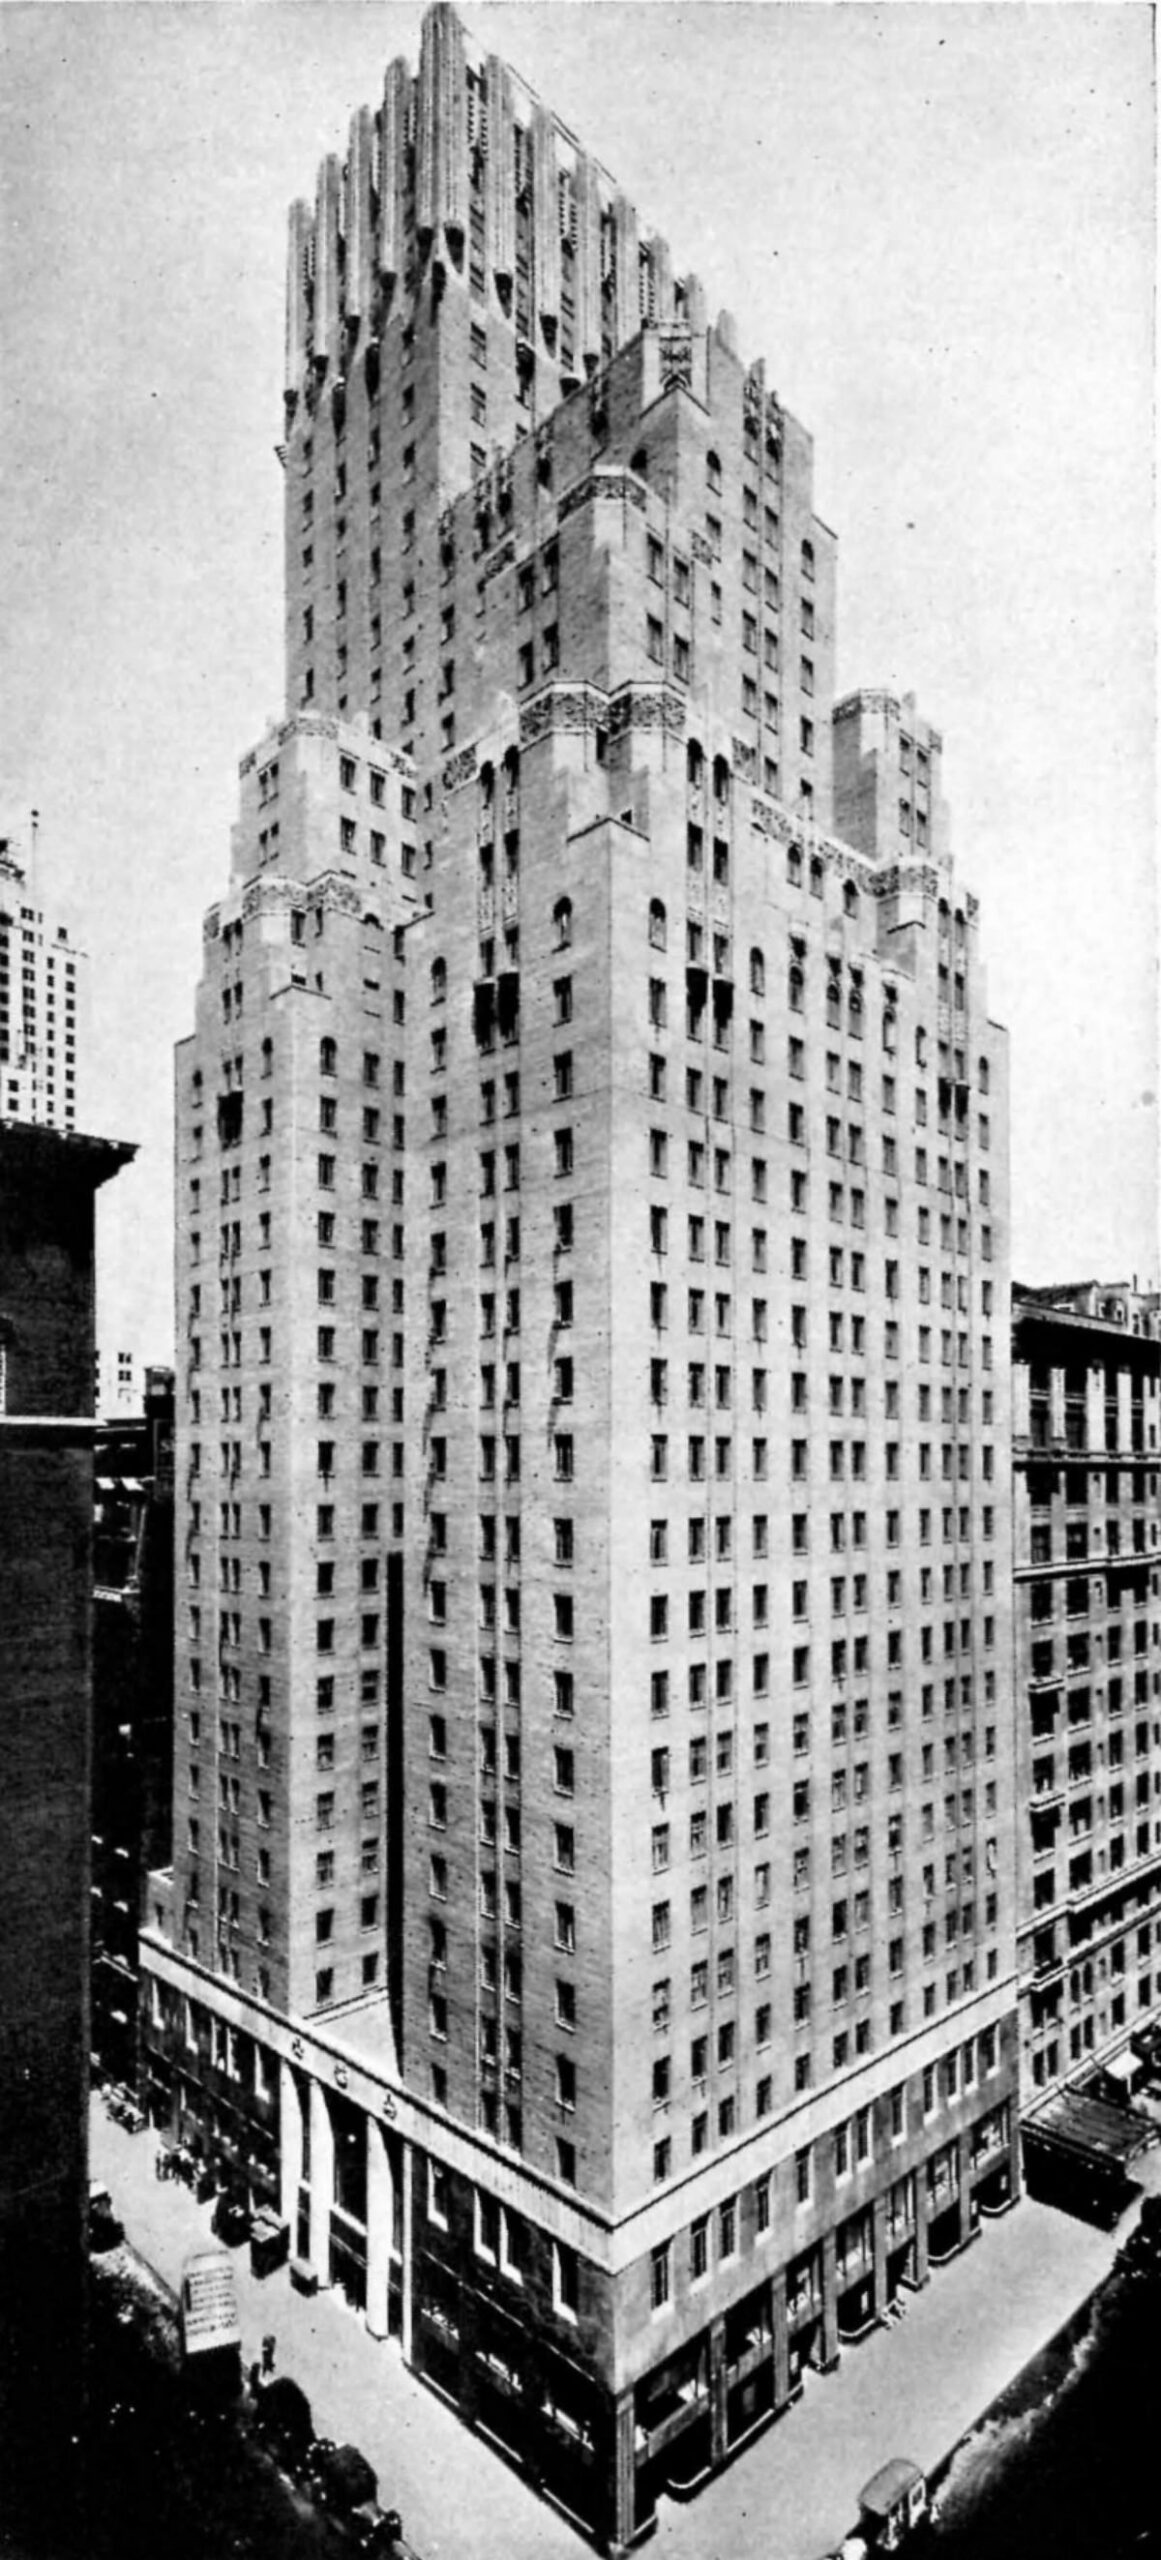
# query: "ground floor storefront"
[498,2296]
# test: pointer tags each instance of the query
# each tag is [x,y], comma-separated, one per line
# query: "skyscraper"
[594,1882]
[43,994]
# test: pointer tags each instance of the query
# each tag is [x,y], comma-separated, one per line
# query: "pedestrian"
[268,2346]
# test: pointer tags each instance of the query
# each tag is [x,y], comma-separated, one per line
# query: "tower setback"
[593,1905]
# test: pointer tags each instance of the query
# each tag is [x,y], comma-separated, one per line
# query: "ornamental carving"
[459,769]
[335,896]
[702,549]
[501,559]
[676,359]
[602,484]
[638,706]
[270,896]
[568,707]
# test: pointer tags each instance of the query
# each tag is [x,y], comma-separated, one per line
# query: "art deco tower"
[602,1921]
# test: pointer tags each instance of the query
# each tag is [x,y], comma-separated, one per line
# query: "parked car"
[104,2228]
[378,2532]
[341,2478]
[892,2504]
[282,2415]
[231,2220]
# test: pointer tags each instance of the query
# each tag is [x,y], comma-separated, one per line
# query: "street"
[914,2388]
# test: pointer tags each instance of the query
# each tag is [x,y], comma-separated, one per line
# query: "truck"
[211,2333]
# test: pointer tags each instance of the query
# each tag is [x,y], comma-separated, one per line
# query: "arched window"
[487,780]
[815,876]
[713,471]
[984,1075]
[721,781]
[328,1057]
[657,924]
[511,785]
[640,462]
[808,559]
[438,981]
[850,899]
[694,766]
[797,984]
[267,1058]
[375,922]
[562,923]
[855,1007]
[757,973]
[944,916]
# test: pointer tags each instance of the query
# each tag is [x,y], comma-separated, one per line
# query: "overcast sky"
[935,223]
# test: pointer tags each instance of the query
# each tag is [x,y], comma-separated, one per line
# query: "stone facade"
[690,2033]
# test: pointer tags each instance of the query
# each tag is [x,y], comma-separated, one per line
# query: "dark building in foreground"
[48,1181]
[132,1705]
[1087,1553]
[593,1892]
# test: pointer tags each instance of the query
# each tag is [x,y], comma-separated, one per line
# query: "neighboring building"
[48,1182]
[43,999]
[132,1706]
[116,1384]
[593,1897]
[1087,1439]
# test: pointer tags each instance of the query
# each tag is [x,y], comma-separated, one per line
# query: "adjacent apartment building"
[48,1185]
[593,1903]
[1087,1477]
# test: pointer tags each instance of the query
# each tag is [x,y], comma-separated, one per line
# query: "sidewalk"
[458,2500]
[913,2389]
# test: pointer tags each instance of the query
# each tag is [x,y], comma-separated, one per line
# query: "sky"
[935,222]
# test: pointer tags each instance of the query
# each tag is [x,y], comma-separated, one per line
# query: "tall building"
[43,997]
[593,1892]
[48,1183]
[1087,1424]
[132,1790]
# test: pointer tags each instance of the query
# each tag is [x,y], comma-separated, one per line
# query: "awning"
[1123,2067]
[1081,2127]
